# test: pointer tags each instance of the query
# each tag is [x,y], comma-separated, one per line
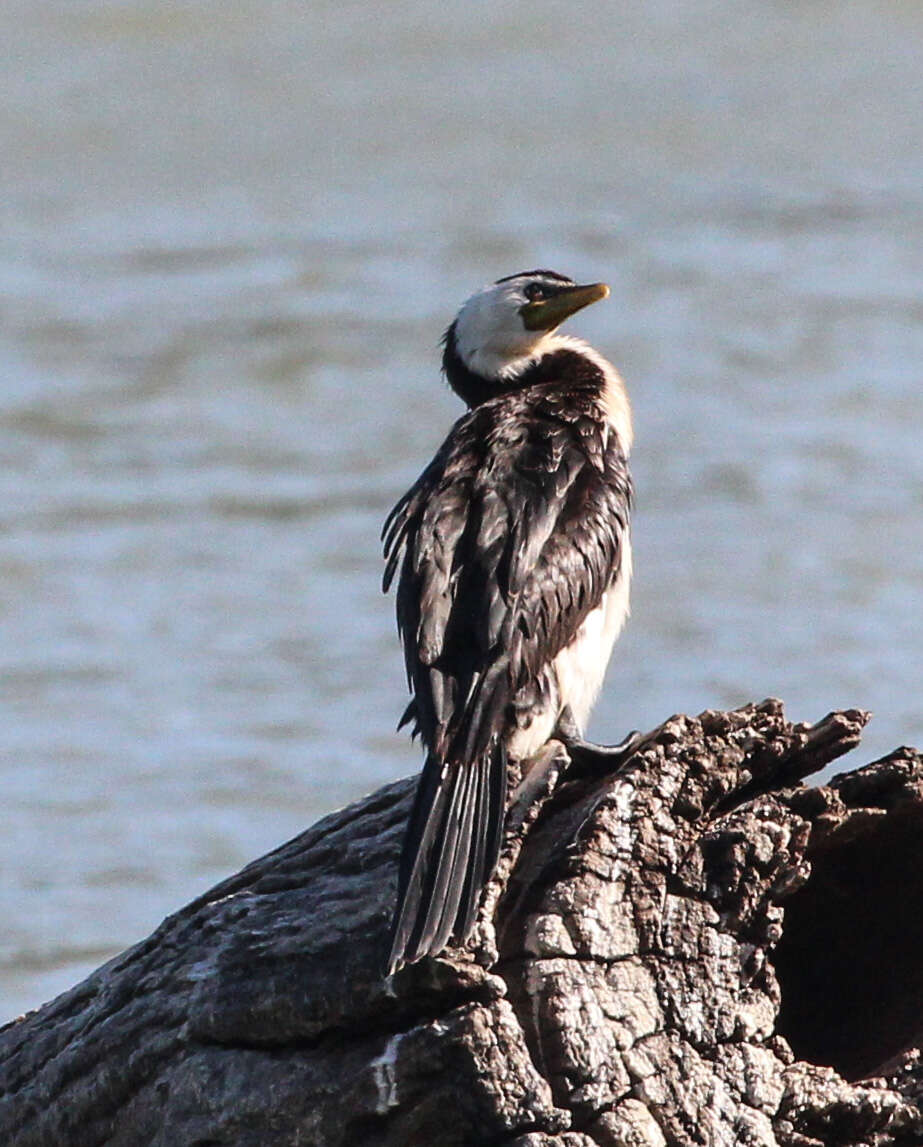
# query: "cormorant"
[514,561]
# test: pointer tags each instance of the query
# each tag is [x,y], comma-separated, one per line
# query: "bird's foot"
[589,759]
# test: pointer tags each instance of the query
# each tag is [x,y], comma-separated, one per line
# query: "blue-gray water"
[230,236]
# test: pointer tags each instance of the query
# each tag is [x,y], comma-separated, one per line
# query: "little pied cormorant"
[514,561]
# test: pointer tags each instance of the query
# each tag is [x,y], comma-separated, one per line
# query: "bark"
[696,949]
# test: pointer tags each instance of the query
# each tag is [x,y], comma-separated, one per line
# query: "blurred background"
[230,238]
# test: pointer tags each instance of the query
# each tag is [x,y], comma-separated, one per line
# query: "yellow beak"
[546,314]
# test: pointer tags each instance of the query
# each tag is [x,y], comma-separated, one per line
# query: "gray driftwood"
[697,950]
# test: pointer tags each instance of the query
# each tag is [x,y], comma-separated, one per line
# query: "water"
[230,236]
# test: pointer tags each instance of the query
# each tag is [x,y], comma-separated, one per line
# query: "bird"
[512,557]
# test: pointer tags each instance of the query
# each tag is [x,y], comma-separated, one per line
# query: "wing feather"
[507,541]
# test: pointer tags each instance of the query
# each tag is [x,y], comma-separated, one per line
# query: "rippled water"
[230,236]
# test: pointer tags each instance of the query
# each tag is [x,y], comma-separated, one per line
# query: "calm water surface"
[230,236]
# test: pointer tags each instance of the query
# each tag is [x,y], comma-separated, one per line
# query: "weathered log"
[696,950]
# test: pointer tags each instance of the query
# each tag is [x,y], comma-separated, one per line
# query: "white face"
[490,334]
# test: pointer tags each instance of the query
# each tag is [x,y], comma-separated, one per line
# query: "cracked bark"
[698,949]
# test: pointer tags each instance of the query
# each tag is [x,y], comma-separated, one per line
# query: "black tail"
[450,851]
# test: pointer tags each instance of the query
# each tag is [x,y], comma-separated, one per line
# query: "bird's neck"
[479,375]
[569,363]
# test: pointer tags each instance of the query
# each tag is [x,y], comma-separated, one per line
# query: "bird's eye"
[534,291]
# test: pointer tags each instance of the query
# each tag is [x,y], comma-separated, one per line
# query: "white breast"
[581,666]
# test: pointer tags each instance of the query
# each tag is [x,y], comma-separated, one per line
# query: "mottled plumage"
[504,547]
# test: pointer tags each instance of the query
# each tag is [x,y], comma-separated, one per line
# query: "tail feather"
[486,844]
[426,817]
[450,850]
[455,848]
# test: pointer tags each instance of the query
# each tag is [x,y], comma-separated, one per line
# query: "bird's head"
[503,326]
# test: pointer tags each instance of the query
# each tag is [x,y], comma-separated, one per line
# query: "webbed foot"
[589,759]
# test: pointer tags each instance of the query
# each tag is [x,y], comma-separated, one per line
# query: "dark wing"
[506,542]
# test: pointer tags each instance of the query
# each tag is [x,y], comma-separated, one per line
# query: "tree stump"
[698,949]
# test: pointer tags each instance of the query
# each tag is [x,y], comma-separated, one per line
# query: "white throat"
[490,337]
[490,363]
